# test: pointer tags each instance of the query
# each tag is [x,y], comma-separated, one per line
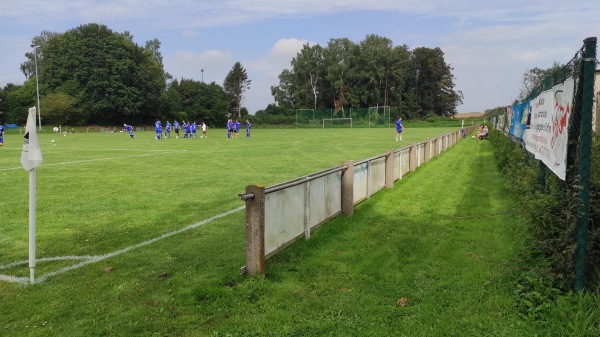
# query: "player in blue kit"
[129,130]
[186,129]
[158,127]
[247,128]
[1,135]
[193,129]
[237,128]
[230,127]
[168,130]
[399,129]
[176,128]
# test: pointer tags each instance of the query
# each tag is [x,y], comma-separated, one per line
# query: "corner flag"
[31,156]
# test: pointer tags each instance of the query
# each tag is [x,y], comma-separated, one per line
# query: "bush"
[551,207]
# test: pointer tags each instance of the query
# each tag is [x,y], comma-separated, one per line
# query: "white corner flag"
[31,157]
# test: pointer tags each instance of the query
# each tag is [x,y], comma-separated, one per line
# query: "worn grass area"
[430,257]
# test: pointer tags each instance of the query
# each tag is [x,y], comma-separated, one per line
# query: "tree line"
[416,83]
[93,75]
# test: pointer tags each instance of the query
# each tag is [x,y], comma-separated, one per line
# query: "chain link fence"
[569,237]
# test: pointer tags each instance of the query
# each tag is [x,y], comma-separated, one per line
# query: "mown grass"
[97,192]
[431,257]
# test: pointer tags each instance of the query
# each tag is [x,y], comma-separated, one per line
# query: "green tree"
[111,77]
[61,109]
[17,99]
[396,74]
[284,93]
[173,102]
[370,73]
[345,74]
[28,67]
[375,56]
[308,69]
[434,83]
[214,104]
[273,109]
[196,101]
[153,48]
[235,85]
[2,107]
[535,76]
[338,59]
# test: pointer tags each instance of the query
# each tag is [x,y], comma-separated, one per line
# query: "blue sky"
[490,44]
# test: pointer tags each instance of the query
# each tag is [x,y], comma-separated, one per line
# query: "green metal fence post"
[542,175]
[585,150]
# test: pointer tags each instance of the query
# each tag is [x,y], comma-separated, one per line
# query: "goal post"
[379,115]
[337,122]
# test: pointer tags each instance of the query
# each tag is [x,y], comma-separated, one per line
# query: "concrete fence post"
[348,188]
[389,169]
[436,146]
[412,157]
[307,210]
[427,150]
[444,143]
[255,229]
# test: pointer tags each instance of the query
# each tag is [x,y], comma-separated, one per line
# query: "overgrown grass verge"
[545,277]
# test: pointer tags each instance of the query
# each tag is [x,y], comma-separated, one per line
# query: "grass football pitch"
[98,193]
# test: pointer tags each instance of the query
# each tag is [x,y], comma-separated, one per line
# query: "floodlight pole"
[37,85]
[202,71]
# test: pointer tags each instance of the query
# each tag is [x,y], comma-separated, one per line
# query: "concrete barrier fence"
[278,215]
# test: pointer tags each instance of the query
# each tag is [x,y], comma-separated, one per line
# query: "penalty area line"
[97,258]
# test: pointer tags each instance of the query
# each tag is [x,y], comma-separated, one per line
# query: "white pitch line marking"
[93,160]
[47,259]
[89,259]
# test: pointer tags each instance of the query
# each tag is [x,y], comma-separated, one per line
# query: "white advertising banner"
[547,135]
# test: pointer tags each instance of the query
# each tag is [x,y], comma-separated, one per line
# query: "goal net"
[337,123]
[379,116]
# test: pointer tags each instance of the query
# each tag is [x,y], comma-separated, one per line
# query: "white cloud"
[189,65]
[283,51]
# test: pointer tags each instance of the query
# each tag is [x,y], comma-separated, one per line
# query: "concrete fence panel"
[420,154]
[361,182]
[377,175]
[405,161]
[325,199]
[397,165]
[284,217]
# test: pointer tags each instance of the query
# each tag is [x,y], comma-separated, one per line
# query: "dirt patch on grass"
[469,115]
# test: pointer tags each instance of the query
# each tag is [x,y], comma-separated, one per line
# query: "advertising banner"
[508,119]
[520,120]
[547,137]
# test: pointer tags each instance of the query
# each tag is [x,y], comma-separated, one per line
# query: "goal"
[379,116]
[337,123]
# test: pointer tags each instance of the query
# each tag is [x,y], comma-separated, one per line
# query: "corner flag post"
[32,229]
[31,157]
